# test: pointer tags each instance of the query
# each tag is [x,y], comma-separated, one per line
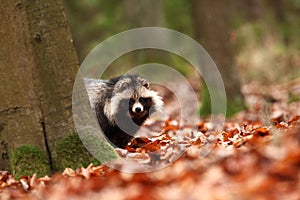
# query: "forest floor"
[255,156]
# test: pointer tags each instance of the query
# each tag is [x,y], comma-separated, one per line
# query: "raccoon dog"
[122,104]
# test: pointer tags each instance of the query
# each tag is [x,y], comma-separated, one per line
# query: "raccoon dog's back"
[122,104]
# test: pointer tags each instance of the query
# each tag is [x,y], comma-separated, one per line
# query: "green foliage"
[205,109]
[181,65]
[71,153]
[232,105]
[93,21]
[178,16]
[28,160]
[293,98]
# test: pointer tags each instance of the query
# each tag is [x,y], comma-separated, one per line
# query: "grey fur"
[121,105]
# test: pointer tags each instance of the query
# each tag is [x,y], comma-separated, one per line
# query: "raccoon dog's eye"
[131,101]
[143,100]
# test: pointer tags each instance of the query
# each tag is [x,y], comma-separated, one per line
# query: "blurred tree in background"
[144,13]
[212,22]
[250,40]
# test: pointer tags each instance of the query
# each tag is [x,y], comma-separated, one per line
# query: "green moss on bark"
[71,153]
[28,160]
[102,150]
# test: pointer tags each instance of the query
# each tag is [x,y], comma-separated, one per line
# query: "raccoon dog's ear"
[144,82]
[146,85]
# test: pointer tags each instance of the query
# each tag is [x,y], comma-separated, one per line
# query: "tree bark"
[212,27]
[38,65]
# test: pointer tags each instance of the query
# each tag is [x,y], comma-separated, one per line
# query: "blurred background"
[254,43]
[259,38]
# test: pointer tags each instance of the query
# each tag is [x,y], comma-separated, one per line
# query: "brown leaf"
[171,125]
[138,142]
[262,131]
[201,127]
[293,120]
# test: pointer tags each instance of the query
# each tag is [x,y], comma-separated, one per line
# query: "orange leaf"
[262,131]
[294,119]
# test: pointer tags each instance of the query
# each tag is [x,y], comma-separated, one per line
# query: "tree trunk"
[212,27]
[38,65]
[146,13]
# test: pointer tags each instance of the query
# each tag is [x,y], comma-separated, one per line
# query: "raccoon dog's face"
[132,96]
[139,105]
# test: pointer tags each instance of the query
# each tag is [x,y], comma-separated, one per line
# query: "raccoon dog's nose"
[138,109]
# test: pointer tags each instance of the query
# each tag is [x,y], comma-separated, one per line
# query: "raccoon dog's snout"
[137,108]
